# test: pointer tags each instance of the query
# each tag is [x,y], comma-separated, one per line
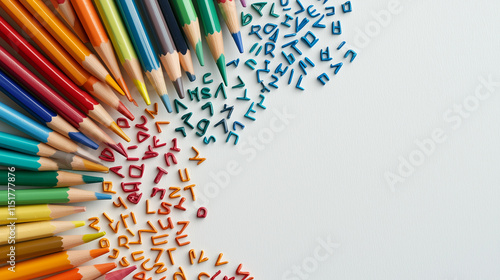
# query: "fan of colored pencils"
[58,122]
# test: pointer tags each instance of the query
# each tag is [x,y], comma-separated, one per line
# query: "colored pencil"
[118,274]
[36,213]
[99,39]
[49,264]
[65,9]
[188,19]
[48,245]
[41,133]
[36,163]
[35,230]
[123,46]
[54,195]
[55,101]
[60,57]
[165,44]
[243,3]
[34,148]
[69,41]
[230,15]
[180,42]
[41,112]
[213,34]
[48,178]
[84,272]
[143,46]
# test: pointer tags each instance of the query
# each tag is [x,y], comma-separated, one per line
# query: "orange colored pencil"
[84,272]
[99,39]
[49,264]
[69,41]
[65,9]
[60,57]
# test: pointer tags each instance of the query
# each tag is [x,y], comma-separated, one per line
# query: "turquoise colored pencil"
[41,133]
[143,46]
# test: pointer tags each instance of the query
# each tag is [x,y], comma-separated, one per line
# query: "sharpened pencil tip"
[92,236]
[82,139]
[92,179]
[199,53]
[166,101]
[119,149]
[116,129]
[98,252]
[221,64]
[80,209]
[102,196]
[78,223]
[92,166]
[238,41]
[179,87]
[191,77]
[125,111]
[110,81]
[143,91]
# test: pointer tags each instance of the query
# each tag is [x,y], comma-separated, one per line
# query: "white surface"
[323,175]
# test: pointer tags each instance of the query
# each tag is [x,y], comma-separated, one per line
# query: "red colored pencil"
[62,83]
[53,100]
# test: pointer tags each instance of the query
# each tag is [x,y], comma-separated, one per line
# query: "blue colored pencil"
[41,133]
[41,112]
[144,47]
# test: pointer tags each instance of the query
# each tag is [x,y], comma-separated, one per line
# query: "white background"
[323,176]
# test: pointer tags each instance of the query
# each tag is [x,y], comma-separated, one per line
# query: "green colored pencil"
[188,19]
[46,196]
[122,44]
[47,178]
[213,34]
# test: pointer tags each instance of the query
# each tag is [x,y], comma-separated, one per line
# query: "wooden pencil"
[36,213]
[41,133]
[61,58]
[188,19]
[65,9]
[99,39]
[180,43]
[36,163]
[123,45]
[213,34]
[41,112]
[69,41]
[35,230]
[48,245]
[143,46]
[54,195]
[165,44]
[49,264]
[56,102]
[34,148]
[230,15]
[48,178]
[118,274]
[84,272]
